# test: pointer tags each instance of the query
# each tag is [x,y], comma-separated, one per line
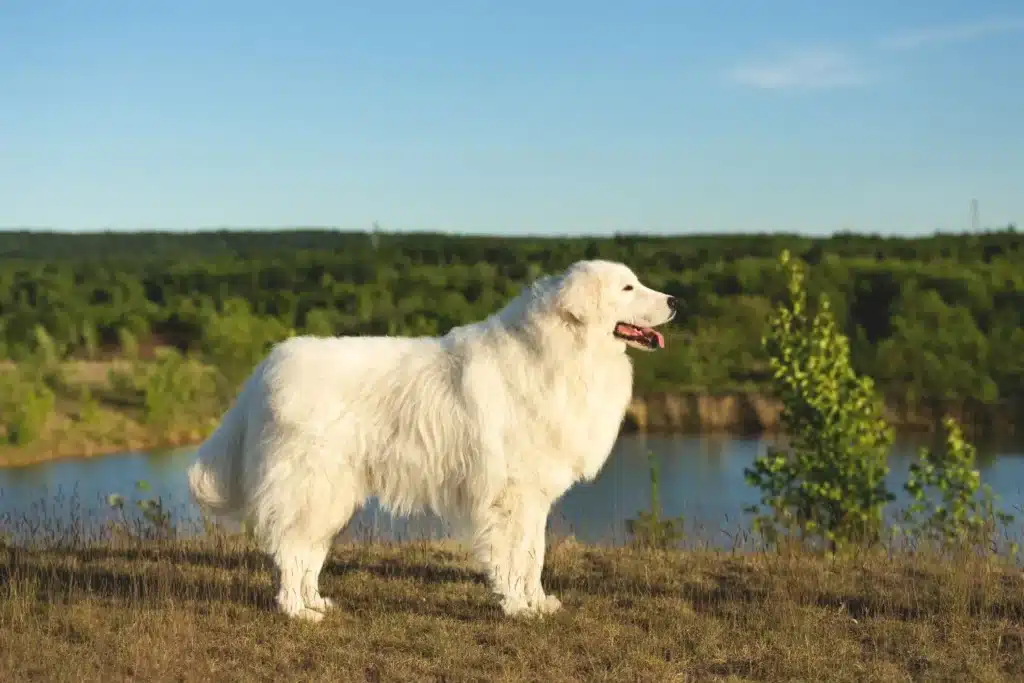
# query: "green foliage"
[26,392]
[40,363]
[26,403]
[929,317]
[88,406]
[128,344]
[127,383]
[47,350]
[235,340]
[90,340]
[649,529]
[319,323]
[173,387]
[935,348]
[830,485]
[965,512]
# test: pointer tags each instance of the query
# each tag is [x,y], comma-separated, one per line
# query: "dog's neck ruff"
[557,330]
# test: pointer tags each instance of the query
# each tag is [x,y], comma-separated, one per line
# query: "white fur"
[486,426]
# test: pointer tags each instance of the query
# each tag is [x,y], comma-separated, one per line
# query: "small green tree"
[88,406]
[965,512]
[26,394]
[90,339]
[830,483]
[127,380]
[42,361]
[128,343]
[48,350]
[26,403]
[175,386]
[236,339]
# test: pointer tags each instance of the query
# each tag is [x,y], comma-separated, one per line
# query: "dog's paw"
[320,603]
[305,614]
[549,604]
[294,609]
[517,607]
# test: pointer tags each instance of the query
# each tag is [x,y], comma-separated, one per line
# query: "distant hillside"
[937,316]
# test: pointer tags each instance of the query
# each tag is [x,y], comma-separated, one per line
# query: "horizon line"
[40,230]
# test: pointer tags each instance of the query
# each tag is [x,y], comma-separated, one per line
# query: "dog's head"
[607,300]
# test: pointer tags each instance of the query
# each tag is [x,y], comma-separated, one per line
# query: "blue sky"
[527,117]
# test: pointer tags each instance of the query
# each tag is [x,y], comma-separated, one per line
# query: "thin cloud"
[803,70]
[952,33]
[823,68]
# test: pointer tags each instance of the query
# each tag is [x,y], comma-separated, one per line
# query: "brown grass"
[203,611]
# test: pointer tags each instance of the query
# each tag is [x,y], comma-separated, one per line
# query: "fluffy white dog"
[486,426]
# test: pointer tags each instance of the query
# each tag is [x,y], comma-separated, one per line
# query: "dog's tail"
[215,478]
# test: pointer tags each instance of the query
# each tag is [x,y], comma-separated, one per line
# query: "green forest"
[929,317]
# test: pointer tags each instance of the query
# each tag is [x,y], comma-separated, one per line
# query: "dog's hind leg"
[300,547]
[298,563]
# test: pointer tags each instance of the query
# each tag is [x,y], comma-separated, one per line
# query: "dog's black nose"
[673,303]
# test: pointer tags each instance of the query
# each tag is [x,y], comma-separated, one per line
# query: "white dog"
[486,426]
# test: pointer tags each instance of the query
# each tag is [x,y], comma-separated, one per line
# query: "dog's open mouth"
[645,338]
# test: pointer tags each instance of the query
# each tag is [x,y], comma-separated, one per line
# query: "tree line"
[927,317]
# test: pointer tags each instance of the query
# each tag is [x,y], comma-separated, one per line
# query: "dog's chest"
[591,406]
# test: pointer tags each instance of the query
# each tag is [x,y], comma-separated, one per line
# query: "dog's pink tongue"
[657,335]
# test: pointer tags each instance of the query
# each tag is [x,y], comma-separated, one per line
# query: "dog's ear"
[578,295]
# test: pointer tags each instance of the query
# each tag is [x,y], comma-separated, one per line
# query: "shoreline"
[735,413]
[752,413]
[28,456]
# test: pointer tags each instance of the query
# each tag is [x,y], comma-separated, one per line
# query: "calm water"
[701,479]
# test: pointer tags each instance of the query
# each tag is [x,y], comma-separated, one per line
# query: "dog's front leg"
[537,528]
[503,545]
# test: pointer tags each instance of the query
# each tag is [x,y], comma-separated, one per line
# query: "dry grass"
[202,611]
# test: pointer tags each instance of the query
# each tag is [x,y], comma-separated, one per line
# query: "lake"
[701,478]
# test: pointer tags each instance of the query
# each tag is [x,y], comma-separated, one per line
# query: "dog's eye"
[627,288]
